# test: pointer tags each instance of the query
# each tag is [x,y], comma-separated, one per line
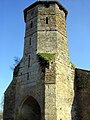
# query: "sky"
[12,32]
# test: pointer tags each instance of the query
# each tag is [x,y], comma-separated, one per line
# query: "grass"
[47,56]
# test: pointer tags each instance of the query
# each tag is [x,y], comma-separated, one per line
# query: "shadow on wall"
[31,108]
[81,103]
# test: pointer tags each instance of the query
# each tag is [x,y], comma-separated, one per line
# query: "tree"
[16,62]
[1,104]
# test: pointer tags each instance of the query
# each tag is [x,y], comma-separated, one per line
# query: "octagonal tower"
[43,80]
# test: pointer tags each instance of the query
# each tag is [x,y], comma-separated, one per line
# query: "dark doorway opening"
[30,109]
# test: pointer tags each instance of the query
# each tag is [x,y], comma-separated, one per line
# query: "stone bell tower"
[42,86]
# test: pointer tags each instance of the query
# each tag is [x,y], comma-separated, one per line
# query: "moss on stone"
[73,66]
[52,77]
[47,56]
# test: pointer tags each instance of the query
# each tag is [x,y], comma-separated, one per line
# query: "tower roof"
[44,2]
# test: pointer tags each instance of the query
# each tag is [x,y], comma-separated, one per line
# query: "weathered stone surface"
[82,94]
[46,85]
[9,101]
[1,116]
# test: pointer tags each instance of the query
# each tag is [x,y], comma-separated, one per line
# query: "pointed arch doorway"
[30,109]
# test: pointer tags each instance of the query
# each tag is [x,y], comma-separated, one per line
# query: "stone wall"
[64,71]
[1,116]
[46,35]
[64,91]
[9,101]
[82,94]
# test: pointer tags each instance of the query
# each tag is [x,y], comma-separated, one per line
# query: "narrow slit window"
[29,61]
[31,24]
[27,76]
[30,41]
[47,5]
[46,20]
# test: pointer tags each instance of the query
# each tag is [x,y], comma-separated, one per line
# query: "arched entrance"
[30,109]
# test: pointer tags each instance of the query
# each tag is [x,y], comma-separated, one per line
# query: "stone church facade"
[46,85]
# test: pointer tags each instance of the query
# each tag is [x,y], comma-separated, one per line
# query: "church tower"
[42,86]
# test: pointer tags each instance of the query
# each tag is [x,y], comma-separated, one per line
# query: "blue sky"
[12,29]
